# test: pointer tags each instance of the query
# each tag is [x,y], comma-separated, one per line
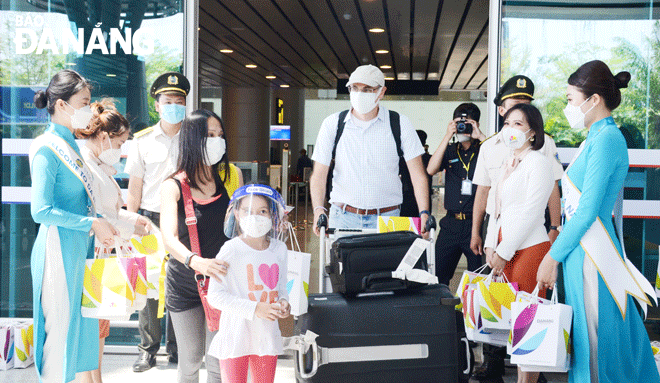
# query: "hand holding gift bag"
[298,264]
[495,298]
[540,335]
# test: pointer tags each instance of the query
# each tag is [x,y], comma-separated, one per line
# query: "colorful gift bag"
[6,345]
[479,333]
[109,286]
[298,264]
[387,224]
[495,298]
[23,343]
[540,336]
[469,277]
[152,247]
[525,297]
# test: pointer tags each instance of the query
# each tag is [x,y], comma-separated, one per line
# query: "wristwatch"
[188,259]
[424,212]
[558,228]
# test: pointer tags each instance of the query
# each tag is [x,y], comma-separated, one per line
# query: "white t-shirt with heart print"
[252,276]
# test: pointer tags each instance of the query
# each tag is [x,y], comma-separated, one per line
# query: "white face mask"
[514,138]
[215,149]
[575,116]
[80,117]
[462,138]
[364,103]
[255,226]
[110,156]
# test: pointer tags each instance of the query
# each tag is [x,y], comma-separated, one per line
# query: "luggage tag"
[405,270]
[466,187]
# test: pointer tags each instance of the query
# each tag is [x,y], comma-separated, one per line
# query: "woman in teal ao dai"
[64,342]
[610,342]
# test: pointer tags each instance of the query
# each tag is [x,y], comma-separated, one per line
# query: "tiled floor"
[117,368]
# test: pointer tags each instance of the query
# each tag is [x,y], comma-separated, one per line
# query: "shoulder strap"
[395,124]
[340,129]
[191,220]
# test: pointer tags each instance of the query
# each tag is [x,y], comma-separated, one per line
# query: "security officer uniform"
[153,157]
[456,227]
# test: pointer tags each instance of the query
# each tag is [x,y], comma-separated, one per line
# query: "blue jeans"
[340,219]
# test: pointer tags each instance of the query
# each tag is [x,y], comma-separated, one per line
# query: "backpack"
[395,125]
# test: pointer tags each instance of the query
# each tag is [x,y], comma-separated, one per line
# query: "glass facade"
[121,50]
[549,40]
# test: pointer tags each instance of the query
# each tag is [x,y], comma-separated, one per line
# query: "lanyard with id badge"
[466,185]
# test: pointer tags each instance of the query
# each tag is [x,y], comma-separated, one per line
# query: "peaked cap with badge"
[170,82]
[518,86]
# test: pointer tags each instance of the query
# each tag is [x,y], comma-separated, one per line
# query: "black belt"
[460,216]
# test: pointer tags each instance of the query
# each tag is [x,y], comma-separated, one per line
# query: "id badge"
[466,187]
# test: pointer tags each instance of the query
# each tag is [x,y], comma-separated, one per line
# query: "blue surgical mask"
[173,113]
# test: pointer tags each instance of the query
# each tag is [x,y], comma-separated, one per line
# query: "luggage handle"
[370,281]
[315,362]
[468,369]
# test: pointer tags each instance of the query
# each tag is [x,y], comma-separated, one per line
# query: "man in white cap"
[363,151]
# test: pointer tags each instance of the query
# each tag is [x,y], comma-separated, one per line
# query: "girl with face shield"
[253,295]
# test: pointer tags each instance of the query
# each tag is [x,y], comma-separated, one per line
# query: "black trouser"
[454,240]
[148,321]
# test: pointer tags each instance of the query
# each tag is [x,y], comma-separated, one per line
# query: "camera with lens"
[462,126]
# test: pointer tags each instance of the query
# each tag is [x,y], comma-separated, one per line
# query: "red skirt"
[524,265]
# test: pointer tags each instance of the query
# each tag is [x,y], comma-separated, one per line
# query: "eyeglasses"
[366,89]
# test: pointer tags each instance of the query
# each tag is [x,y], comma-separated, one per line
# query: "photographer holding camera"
[459,159]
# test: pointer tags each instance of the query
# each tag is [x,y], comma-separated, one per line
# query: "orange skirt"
[524,265]
[104,328]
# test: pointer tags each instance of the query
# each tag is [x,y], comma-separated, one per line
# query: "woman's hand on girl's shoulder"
[268,311]
[214,268]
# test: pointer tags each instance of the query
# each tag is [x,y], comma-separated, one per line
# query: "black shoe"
[144,362]
[173,358]
[491,369]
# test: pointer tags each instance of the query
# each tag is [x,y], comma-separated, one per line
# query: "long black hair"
[192,147]
[63,85]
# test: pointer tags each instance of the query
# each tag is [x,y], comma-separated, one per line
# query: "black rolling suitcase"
[410,336]
[365,262]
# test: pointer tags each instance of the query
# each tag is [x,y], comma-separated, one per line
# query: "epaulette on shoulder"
[143,132]
[488,138]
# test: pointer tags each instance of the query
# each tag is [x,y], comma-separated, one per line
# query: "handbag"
[212,314]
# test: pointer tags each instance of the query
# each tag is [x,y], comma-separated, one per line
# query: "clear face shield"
[255,211]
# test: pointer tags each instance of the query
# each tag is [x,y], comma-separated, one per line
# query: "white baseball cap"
[367,75]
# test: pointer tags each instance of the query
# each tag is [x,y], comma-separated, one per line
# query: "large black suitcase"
[409,336]
[364,262]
